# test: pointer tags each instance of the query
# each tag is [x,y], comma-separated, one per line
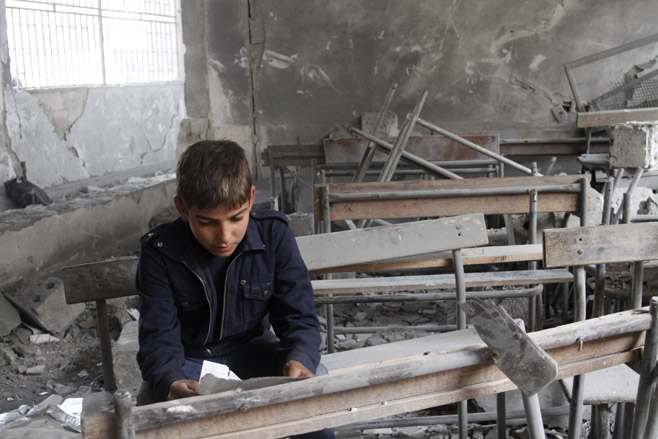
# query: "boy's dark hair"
[213,173]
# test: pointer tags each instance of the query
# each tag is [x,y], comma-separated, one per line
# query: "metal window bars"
[92,42]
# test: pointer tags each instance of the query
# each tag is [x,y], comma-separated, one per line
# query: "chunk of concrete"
[634,145]
[9,317]
[124,353]
[302,224]
[44,305]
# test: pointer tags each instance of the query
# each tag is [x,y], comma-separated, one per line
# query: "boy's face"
[219,230]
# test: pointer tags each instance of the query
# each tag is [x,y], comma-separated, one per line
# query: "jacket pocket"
[255,298]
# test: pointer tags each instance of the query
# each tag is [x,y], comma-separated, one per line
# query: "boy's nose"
[223,234]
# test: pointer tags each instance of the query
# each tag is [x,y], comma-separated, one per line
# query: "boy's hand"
[296,369]
[183,389]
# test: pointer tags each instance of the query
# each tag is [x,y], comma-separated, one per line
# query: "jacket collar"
[176,240]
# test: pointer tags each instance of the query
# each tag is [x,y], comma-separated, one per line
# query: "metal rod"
[502,415]
[123,412]
[637,280]
[647,375]
[578,390]
[401,142]
[474,146]
[449,419]
[631,187]
[448,193]
[533,315]
[372,329]
[369,153]
[533,416]
[425,164]
[103,324]
[329,308]
[429,297]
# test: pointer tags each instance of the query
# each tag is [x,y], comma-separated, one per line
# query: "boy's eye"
[236,219]
[205,223]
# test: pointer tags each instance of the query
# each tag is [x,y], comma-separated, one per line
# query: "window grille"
[63,43]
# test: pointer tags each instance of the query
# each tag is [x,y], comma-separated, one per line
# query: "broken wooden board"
[433,198]
[379,243]
[439,281]
[525,363]
[100,280]
[498,254]
[616,117]
[387,387]
[600,244]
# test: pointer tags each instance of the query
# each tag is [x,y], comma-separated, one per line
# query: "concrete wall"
[301,67]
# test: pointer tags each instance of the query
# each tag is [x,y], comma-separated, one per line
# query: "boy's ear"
[180,207]
[252,197]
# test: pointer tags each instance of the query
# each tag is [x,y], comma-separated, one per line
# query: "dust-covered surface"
[33,371]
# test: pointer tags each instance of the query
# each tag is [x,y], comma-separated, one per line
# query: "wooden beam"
[247,413]
[470,256]
[329,250]
[600,244]
[100,280]
[433,198]
[439,281]
[615,117]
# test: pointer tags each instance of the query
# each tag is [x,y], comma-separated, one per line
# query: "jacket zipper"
[205,291]
[228,269]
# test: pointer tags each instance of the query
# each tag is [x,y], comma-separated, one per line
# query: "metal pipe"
[429,166]
[631,187]
[396,153]
[502,415]
[578,390]
[533,315]
[369,153]
[103,324]
[533,416]
[329,308]
[647,375]
[474,146]
[448,419]
[372,329]
[637,280]
[447,193]
[551,141]
[429,297]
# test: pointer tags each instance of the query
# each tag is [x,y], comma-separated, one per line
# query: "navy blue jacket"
[267,282]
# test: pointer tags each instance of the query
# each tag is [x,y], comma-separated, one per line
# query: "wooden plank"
[470,256]
[615,117]
[377,243]
[100,280]
[516,200]
[513,351]
[293,155]
[569,345]
[375,400]
[390,284]
[432,148]
[600,244]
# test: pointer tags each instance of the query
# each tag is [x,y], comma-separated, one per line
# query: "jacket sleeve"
[161,353]
[292,312]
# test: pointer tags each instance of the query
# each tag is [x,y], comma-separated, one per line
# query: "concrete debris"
[634,145]
[649,206]
[44,305]
[9,316]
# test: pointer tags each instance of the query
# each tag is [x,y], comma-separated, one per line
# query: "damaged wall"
[492,65]
[68,135]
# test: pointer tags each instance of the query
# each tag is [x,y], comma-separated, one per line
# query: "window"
[92,42]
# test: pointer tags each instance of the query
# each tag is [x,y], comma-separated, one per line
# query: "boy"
[211,282]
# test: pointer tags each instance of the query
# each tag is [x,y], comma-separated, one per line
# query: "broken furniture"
[578,247]
[438,370]
[435,198]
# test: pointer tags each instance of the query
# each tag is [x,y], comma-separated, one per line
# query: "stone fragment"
[634,145]
[124,352]
[44,304]
[9,317]
[35,370]
[302,224]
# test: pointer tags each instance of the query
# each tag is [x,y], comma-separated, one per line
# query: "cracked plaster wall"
[69,135]
[301,67]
